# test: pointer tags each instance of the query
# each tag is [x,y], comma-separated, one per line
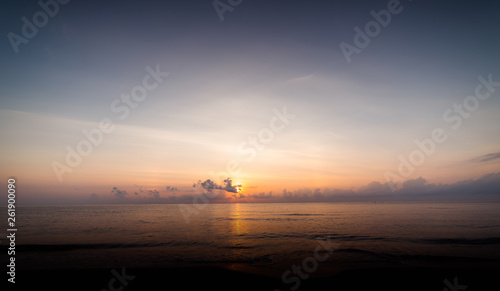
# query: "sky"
[128,101]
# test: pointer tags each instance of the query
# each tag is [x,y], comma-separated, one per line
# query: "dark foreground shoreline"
[219,278]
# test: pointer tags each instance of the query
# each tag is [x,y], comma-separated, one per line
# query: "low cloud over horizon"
[485,188]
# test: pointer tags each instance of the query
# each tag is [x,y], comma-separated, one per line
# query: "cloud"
[414,186]
[238,196]
[485,188]
[171,189]
[301,78]
[119,193]
[486,158]
[230,187]
[373,188]
[210,185]
[261,195]
[154,193]
[94,196]
[142,190]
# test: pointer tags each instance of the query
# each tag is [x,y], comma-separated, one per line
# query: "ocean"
[261,238]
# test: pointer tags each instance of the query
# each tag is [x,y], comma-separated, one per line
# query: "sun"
[238,186]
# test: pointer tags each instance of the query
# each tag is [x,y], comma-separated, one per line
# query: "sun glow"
[238,186]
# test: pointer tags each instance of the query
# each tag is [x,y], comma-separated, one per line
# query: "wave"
[99,246]
[462,241]
[302,214]
[488,241]
[257,219]
[354,238]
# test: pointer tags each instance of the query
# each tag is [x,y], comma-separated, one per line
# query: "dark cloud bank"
[120,194]
[485,188]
